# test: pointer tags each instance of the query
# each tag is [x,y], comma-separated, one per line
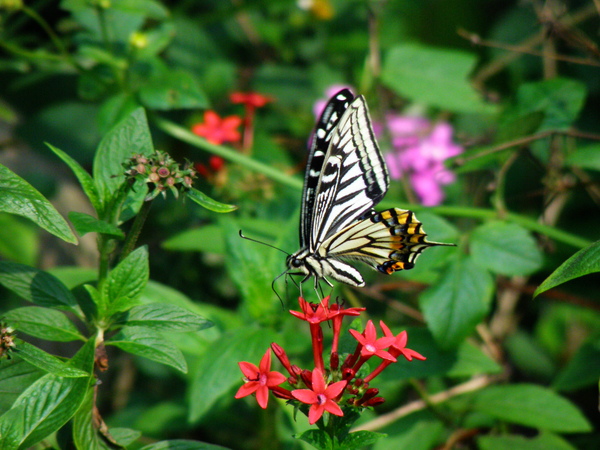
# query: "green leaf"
[85,179]
[46,405]
[19,240]
[84,223]
[586,157]
[458,302]
[505,248]
[361,439]
[43,323]
[560,99]
[174,89]
[252,273]
[15,376]
[165,317]
[128,137]
[181,444]
[543,441]
[36,286]
[126,282]
[148,343]
[219,373]
[317,438]
[206,202]
[45,361]
[20,198]
[583,369]
[532,406]
[583,262]
[85,433]
[433,76]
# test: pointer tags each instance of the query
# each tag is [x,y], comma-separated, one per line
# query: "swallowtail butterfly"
[345,178]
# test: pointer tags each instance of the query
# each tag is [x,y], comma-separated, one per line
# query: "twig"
[385,419]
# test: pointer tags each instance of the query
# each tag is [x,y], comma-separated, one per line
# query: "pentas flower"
[321,397]
[259,379]
[217,130]
[420,149]
[332,388]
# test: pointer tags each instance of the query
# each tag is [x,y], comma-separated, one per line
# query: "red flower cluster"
[327,389]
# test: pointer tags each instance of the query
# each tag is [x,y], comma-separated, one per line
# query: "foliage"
[123,326]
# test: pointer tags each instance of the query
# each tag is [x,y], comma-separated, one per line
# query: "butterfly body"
[345,178]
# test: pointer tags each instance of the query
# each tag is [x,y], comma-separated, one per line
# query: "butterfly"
[345,178]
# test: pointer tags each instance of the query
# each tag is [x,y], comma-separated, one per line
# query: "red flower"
[320,397]
[217,130]
[399,345]
[314,313]
[371,345]
[259,379]
[250,99]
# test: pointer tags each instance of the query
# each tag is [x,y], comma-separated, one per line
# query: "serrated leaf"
[182,444]
[84,223]
[165,317]
[433,76]
[44,323]
[125,283]
[84,178]
[174,89]
[20,198]
[505,248]
[533,406]
[45,361]
[583,262]
[458,302]
[219,373]
[47,404]
[128,137]
[206,202]
[146,342]
[36,286]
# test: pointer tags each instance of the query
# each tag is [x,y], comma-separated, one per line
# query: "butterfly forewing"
[353,178]
[321,137]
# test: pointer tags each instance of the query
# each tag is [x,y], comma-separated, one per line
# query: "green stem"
[136,229]
[234,156]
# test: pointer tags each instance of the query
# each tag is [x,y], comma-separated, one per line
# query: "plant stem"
[136,229]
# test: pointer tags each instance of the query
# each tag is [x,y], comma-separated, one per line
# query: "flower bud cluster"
[7,343]
[161,173]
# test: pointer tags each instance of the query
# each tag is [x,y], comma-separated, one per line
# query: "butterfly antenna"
[263,243]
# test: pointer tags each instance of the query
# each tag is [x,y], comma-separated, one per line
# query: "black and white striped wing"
[353,177]
[326,125]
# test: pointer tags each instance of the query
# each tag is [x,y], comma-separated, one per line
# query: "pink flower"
[217,130]
[259,379]
[420,149]
[320,397]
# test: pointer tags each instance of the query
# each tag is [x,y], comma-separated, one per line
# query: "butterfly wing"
[388,241]
[353,177]
[321,137]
